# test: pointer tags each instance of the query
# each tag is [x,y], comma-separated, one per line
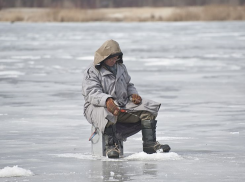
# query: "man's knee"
[128,118]
[109,123]
[146,115]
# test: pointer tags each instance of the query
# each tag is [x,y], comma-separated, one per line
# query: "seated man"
[112,103]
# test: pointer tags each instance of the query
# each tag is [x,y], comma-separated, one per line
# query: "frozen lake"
[196,70]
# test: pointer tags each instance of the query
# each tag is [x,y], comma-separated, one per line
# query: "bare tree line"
[89,4]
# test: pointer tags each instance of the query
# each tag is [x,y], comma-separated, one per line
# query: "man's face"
[111,61]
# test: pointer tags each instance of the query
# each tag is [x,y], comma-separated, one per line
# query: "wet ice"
[195,69]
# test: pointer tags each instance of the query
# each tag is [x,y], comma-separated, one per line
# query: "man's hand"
[112,107]
[136,99]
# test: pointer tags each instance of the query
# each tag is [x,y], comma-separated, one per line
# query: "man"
[113,105]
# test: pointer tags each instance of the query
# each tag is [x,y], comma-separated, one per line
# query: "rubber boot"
[150,145]
[111,143]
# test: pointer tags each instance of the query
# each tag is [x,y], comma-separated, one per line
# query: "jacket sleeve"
[131,88]
[92,89]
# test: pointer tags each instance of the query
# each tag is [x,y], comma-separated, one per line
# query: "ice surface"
[79,156]
[26,57]
[14,171]
[196,70]
[112,173]
[9,60]
[11,73]
[167,138]
[86,58]
[142,156]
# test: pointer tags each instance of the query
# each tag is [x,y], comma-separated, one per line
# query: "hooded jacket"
[100,84]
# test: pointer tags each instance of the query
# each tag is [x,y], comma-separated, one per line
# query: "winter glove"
[136,99]
[112,107]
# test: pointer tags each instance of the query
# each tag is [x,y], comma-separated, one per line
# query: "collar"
[120,71]
[104,71]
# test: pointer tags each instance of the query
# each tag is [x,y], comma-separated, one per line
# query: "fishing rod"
[126,111]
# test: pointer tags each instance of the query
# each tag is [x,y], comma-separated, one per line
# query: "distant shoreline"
[197,13]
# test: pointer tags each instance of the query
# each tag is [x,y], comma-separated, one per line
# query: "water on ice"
[196,70]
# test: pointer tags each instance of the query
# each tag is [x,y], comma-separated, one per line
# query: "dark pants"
[133,117]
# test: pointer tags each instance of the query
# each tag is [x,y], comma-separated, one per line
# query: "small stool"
[98,143]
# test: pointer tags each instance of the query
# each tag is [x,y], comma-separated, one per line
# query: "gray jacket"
[99,84]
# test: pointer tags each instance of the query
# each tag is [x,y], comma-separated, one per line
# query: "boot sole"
[152,151]
[113,155]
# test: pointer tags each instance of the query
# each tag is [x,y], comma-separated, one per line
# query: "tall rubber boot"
[150,145]
[111,143]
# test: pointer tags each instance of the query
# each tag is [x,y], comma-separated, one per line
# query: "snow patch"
[57,67]
[224,55]
[78,156]
[40,74]
[66,57]
[191,62]
[8,61]
[127,58]
[166,138]
[137,156]
[85,58]
[3,114]
[46,56]
[173,138]
[26,57]
[87,157]
[181,62]
[31,62]
[14,172]
[142,156]
[234,133]
[160,151]
[11,73]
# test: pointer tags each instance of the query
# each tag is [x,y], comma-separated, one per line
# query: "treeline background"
[93,4]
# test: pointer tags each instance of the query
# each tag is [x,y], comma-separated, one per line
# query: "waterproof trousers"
[133,117]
